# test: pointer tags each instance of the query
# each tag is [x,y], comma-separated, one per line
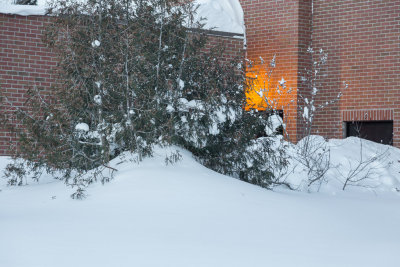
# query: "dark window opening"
[266,114]
[376,131]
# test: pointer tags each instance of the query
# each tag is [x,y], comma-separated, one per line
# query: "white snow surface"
[7,7]
[274,121]
[345,156]
[82,127]
[97,99]
[220,15]
[96,43]
[184,214]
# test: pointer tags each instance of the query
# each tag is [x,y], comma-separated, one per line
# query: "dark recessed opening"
[266,114]
[377,131]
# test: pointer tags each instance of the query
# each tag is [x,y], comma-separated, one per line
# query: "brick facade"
[281,29]
[362,39]
[24,62]
[272,30]
[233,46]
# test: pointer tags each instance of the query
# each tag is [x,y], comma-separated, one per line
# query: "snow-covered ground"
[187,215]
[375,167]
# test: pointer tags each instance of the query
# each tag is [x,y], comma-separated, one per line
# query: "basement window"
[376,131]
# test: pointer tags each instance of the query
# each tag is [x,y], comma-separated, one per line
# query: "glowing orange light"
[265,92]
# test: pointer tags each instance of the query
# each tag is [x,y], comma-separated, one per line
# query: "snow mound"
[375,167]
[153,214]
[220,15]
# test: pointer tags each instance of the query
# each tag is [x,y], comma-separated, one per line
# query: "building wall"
[362,39]
[363,45]
[233,46]
[25,62]
[283,29]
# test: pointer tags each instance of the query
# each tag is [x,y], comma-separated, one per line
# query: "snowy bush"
[133,75]
[312,152]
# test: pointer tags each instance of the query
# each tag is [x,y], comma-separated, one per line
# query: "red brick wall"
[304,61]
[233,46]
[281,28]
[362,39]
[24,62]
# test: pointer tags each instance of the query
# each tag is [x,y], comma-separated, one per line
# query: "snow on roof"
[220,15]
[7,7]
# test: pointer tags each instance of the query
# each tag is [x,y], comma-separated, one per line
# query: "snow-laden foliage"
[134,74]
[26,2]
[313,154]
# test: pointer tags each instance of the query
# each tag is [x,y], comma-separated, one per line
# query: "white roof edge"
[22,10]
[224,34]
[221,15]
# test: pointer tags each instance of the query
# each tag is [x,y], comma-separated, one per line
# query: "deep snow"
[345,156]
[187,215]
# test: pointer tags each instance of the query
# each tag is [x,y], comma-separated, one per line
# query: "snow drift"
[153,214]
